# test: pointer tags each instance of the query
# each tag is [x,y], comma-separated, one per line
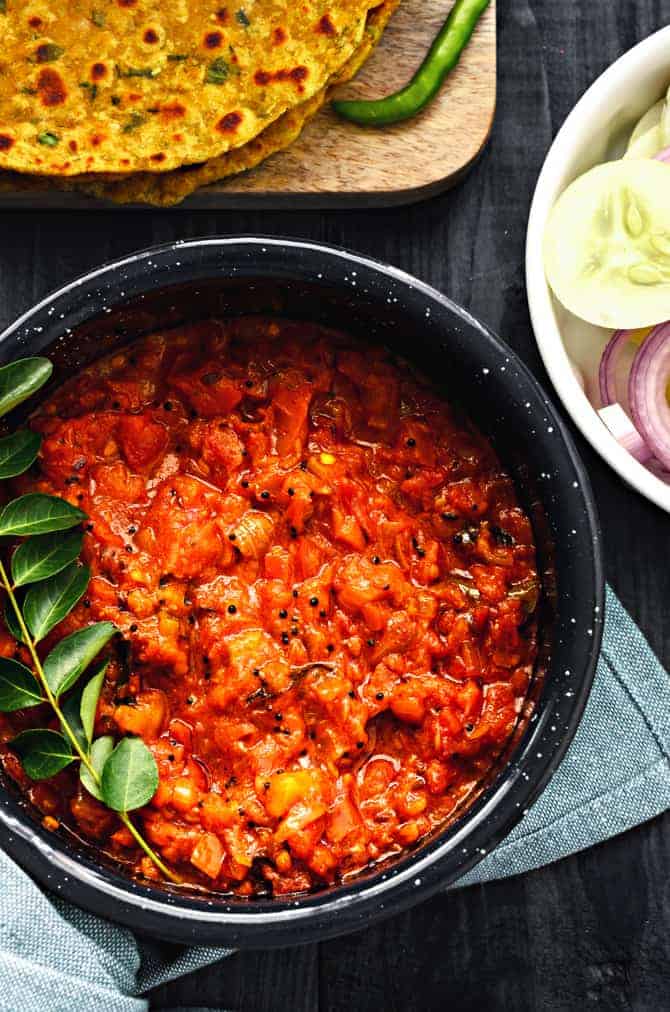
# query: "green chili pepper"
[442,57]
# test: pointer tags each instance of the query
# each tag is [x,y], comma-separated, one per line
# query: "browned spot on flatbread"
[175,110]
[213,40]
[326,26]
[296,74]
[229,123]
[51,87]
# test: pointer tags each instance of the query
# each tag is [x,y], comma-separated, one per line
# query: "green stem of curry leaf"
[141,842]
[72,738]
[39,671]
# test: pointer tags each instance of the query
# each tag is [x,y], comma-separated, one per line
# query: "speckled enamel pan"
[199,278]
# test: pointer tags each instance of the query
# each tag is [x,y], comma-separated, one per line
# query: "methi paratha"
[171,187]
[121,86]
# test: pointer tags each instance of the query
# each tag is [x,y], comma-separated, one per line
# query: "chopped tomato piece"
[207,855]
[143,441]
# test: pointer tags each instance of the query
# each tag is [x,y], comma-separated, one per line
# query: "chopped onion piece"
[625,433]
[615,366]
[647,392]
[616,363]
[253,532]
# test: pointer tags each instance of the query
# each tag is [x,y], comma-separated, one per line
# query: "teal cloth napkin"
[615,775]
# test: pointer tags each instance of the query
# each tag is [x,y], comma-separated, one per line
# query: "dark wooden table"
[592,931]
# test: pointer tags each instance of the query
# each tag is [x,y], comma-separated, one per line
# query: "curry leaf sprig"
[123,775]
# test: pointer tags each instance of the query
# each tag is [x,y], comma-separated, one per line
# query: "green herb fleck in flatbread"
[217,72]
[136,120]
[49,139]
[92,89]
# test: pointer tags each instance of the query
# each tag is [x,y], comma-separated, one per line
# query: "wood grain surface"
[591,932]
[338,164]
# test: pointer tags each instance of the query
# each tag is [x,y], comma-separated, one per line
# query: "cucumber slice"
[652,133]
[607,245]
[664,125]
[646,145]
[651,119]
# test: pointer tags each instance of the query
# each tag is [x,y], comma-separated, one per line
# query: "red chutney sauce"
[326,591]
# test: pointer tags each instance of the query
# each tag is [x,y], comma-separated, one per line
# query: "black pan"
[228,276]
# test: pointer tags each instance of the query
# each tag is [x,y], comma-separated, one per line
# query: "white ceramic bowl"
[595,131]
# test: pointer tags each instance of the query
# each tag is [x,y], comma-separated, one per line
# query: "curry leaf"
[43,556]
[19,380]
[17,452]
[70,710]
[101,749]
[130,776]
[12,623]
[18,687]
[70,658]
[36,513]
[42,753]
[89,700]
[47,604]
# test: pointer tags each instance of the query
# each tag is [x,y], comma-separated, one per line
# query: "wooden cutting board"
[336,164]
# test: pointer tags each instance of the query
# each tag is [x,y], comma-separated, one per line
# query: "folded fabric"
[616,774]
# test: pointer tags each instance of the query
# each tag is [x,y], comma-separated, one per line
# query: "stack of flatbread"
[144,101]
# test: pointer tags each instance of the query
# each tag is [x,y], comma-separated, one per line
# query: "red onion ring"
[663,156]
[615,366]
[625,433]
[647,392]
